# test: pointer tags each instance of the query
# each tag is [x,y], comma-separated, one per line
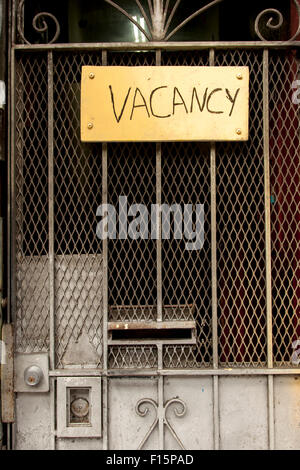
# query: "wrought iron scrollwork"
[143,410]
[159,23]
[39,23]
[275,23]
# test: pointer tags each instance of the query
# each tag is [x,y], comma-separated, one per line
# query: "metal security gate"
[237,386]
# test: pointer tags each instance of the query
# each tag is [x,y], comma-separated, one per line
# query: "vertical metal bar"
[159,285]
[51,241]
[216,412]
[268,242]
[10,111]
[11,310]
[158,220]
[11,225]
[13,20]
[161,439]
[105,290]
[158,241]
[7,376]
[213,195]
[267,204]
[271,412]
[213,190]
[52,383]
[3,75]
[51,210]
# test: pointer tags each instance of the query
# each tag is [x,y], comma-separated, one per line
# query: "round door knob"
[80,407]
[33,375]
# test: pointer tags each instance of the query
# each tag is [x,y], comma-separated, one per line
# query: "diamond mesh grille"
[187,273]
[31,203]
[77,194]
[132,271]
[132,263]
[284,167]
[240,231]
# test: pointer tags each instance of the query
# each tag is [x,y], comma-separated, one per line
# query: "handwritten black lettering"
[208,101]
[151,107]
[232,100]
[137,90]
[182,103]
[194,94]
[113,103]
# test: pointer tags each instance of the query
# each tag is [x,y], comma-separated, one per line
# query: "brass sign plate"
[130,104]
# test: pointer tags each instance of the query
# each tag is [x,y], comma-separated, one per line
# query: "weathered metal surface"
[22,362]
[7,376]
[151,325]
[287,412]
[243,413]
[123,396]
[245,402]
[195,428]
[175,332]
[164,104]
[33,424]
[161,46]
[91,391]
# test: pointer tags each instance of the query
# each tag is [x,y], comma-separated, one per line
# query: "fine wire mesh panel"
[241,231]
[132,292]
[31,203]
[185,58]
[284,69]
[132,289]
[77,194]
[186,274]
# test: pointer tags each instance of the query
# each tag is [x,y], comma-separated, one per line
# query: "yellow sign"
[164,104]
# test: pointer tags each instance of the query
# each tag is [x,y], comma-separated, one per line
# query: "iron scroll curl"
[159,21]
[275,21]
[43,17]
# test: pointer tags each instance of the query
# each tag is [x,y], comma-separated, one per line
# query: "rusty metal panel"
[7,376]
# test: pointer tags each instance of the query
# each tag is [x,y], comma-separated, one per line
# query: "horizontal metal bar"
[151,342]
[151,325]
[202,372]
[170,372]
[76,373]
[134,46]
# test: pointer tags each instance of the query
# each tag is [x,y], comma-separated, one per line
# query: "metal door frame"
[215,372]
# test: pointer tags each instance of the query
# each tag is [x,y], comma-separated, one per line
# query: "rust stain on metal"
[149,325]
[7,376]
